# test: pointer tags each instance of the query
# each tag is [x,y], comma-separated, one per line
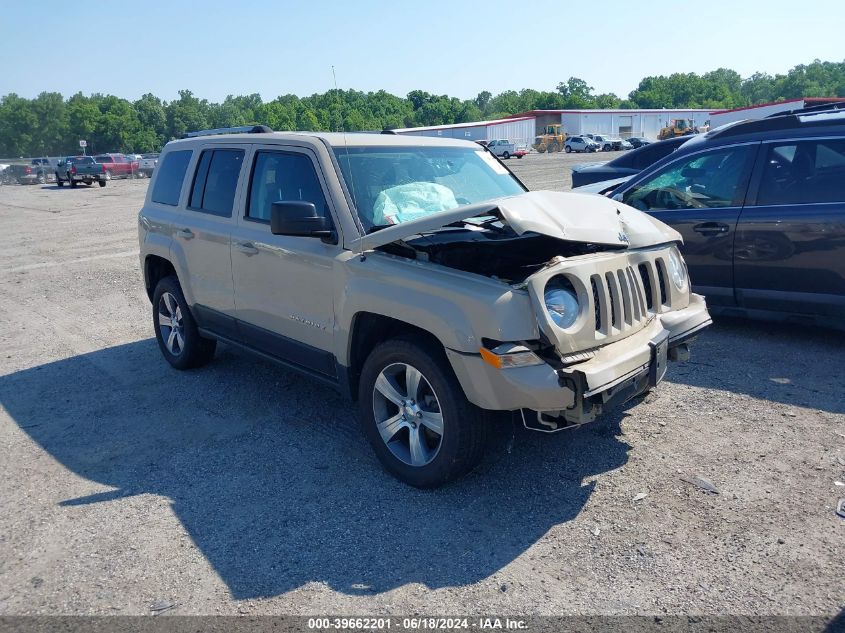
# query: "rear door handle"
[185,233]
[247,248]
[711,228]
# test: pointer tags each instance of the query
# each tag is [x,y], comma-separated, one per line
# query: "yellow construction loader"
[678,127]
[551,139]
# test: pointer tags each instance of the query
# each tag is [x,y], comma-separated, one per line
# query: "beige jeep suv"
[416,275]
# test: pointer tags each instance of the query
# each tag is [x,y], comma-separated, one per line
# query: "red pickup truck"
[118,165]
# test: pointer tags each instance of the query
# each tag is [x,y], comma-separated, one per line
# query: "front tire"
[567,149]
[414,413]
[102,183]
[176,331]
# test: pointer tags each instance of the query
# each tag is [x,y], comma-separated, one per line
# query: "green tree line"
[49,124]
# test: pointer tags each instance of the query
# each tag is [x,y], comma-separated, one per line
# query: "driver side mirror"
[298,218]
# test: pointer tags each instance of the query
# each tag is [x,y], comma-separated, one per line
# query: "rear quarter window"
[171,173]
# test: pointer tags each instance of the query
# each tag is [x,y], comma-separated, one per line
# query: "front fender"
[456,307]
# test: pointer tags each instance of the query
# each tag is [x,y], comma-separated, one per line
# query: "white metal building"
[720,117]
[519,130]
[625,123]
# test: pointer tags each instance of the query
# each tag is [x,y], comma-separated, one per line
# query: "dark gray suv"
[761,207]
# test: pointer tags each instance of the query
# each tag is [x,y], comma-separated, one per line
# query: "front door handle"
[185,233]
[247,248]
[711,228]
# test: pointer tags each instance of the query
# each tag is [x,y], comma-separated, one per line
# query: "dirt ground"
[243,488]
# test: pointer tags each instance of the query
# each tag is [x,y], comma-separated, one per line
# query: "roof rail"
[243,129]
[822,107]
[780,121]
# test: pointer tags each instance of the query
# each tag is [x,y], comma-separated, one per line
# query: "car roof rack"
[243,129]
[783,121]
[822,107]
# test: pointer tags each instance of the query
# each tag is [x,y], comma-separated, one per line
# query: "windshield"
[391,185]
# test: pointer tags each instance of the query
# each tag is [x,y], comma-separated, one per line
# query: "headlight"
[677,269]
[561,302]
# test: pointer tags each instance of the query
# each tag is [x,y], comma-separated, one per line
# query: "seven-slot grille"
[624,298]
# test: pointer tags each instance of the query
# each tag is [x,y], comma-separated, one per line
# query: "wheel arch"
[368,330]
[156,268]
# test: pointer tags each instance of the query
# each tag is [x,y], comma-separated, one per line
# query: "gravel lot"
[553,171]
[243,488]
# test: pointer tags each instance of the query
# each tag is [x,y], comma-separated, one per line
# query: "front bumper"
[615,372]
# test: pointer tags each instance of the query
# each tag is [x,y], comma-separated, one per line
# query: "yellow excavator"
[677,127]
[551,139]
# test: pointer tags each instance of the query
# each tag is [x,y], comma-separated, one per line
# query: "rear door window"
[171,173]
[803,172]
[216,181]
[283,176]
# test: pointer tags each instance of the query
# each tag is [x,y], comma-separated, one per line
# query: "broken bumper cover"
[615,372]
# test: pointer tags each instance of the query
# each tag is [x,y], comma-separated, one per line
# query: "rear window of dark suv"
[171,173]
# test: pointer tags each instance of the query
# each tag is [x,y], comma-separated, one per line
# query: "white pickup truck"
[503,148]
[607,143]
[147,165]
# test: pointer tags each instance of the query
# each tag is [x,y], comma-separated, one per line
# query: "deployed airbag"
[411,201]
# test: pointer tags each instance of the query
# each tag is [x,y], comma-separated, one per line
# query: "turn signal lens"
[524,358]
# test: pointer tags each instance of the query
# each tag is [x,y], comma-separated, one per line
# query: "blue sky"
[458,48]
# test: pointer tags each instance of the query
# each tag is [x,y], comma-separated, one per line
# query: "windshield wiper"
[489,223]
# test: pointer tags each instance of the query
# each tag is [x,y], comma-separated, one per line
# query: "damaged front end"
[607,284]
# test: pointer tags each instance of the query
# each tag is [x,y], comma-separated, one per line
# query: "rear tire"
[59,181]
[72,183]
[393,412]
[506,155]
[102,183]
[176,331]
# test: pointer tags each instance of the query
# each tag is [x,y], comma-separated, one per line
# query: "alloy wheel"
[170,324]
[407,414]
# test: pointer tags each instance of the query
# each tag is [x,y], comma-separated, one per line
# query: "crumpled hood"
[573,217]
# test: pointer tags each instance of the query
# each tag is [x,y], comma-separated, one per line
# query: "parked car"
[117,165]
[417,276]
[608,143]
[761,207]
[503,148]
[627,164]
[35,172]
[84,169]
[147,164]
[580,144]
[638,141]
